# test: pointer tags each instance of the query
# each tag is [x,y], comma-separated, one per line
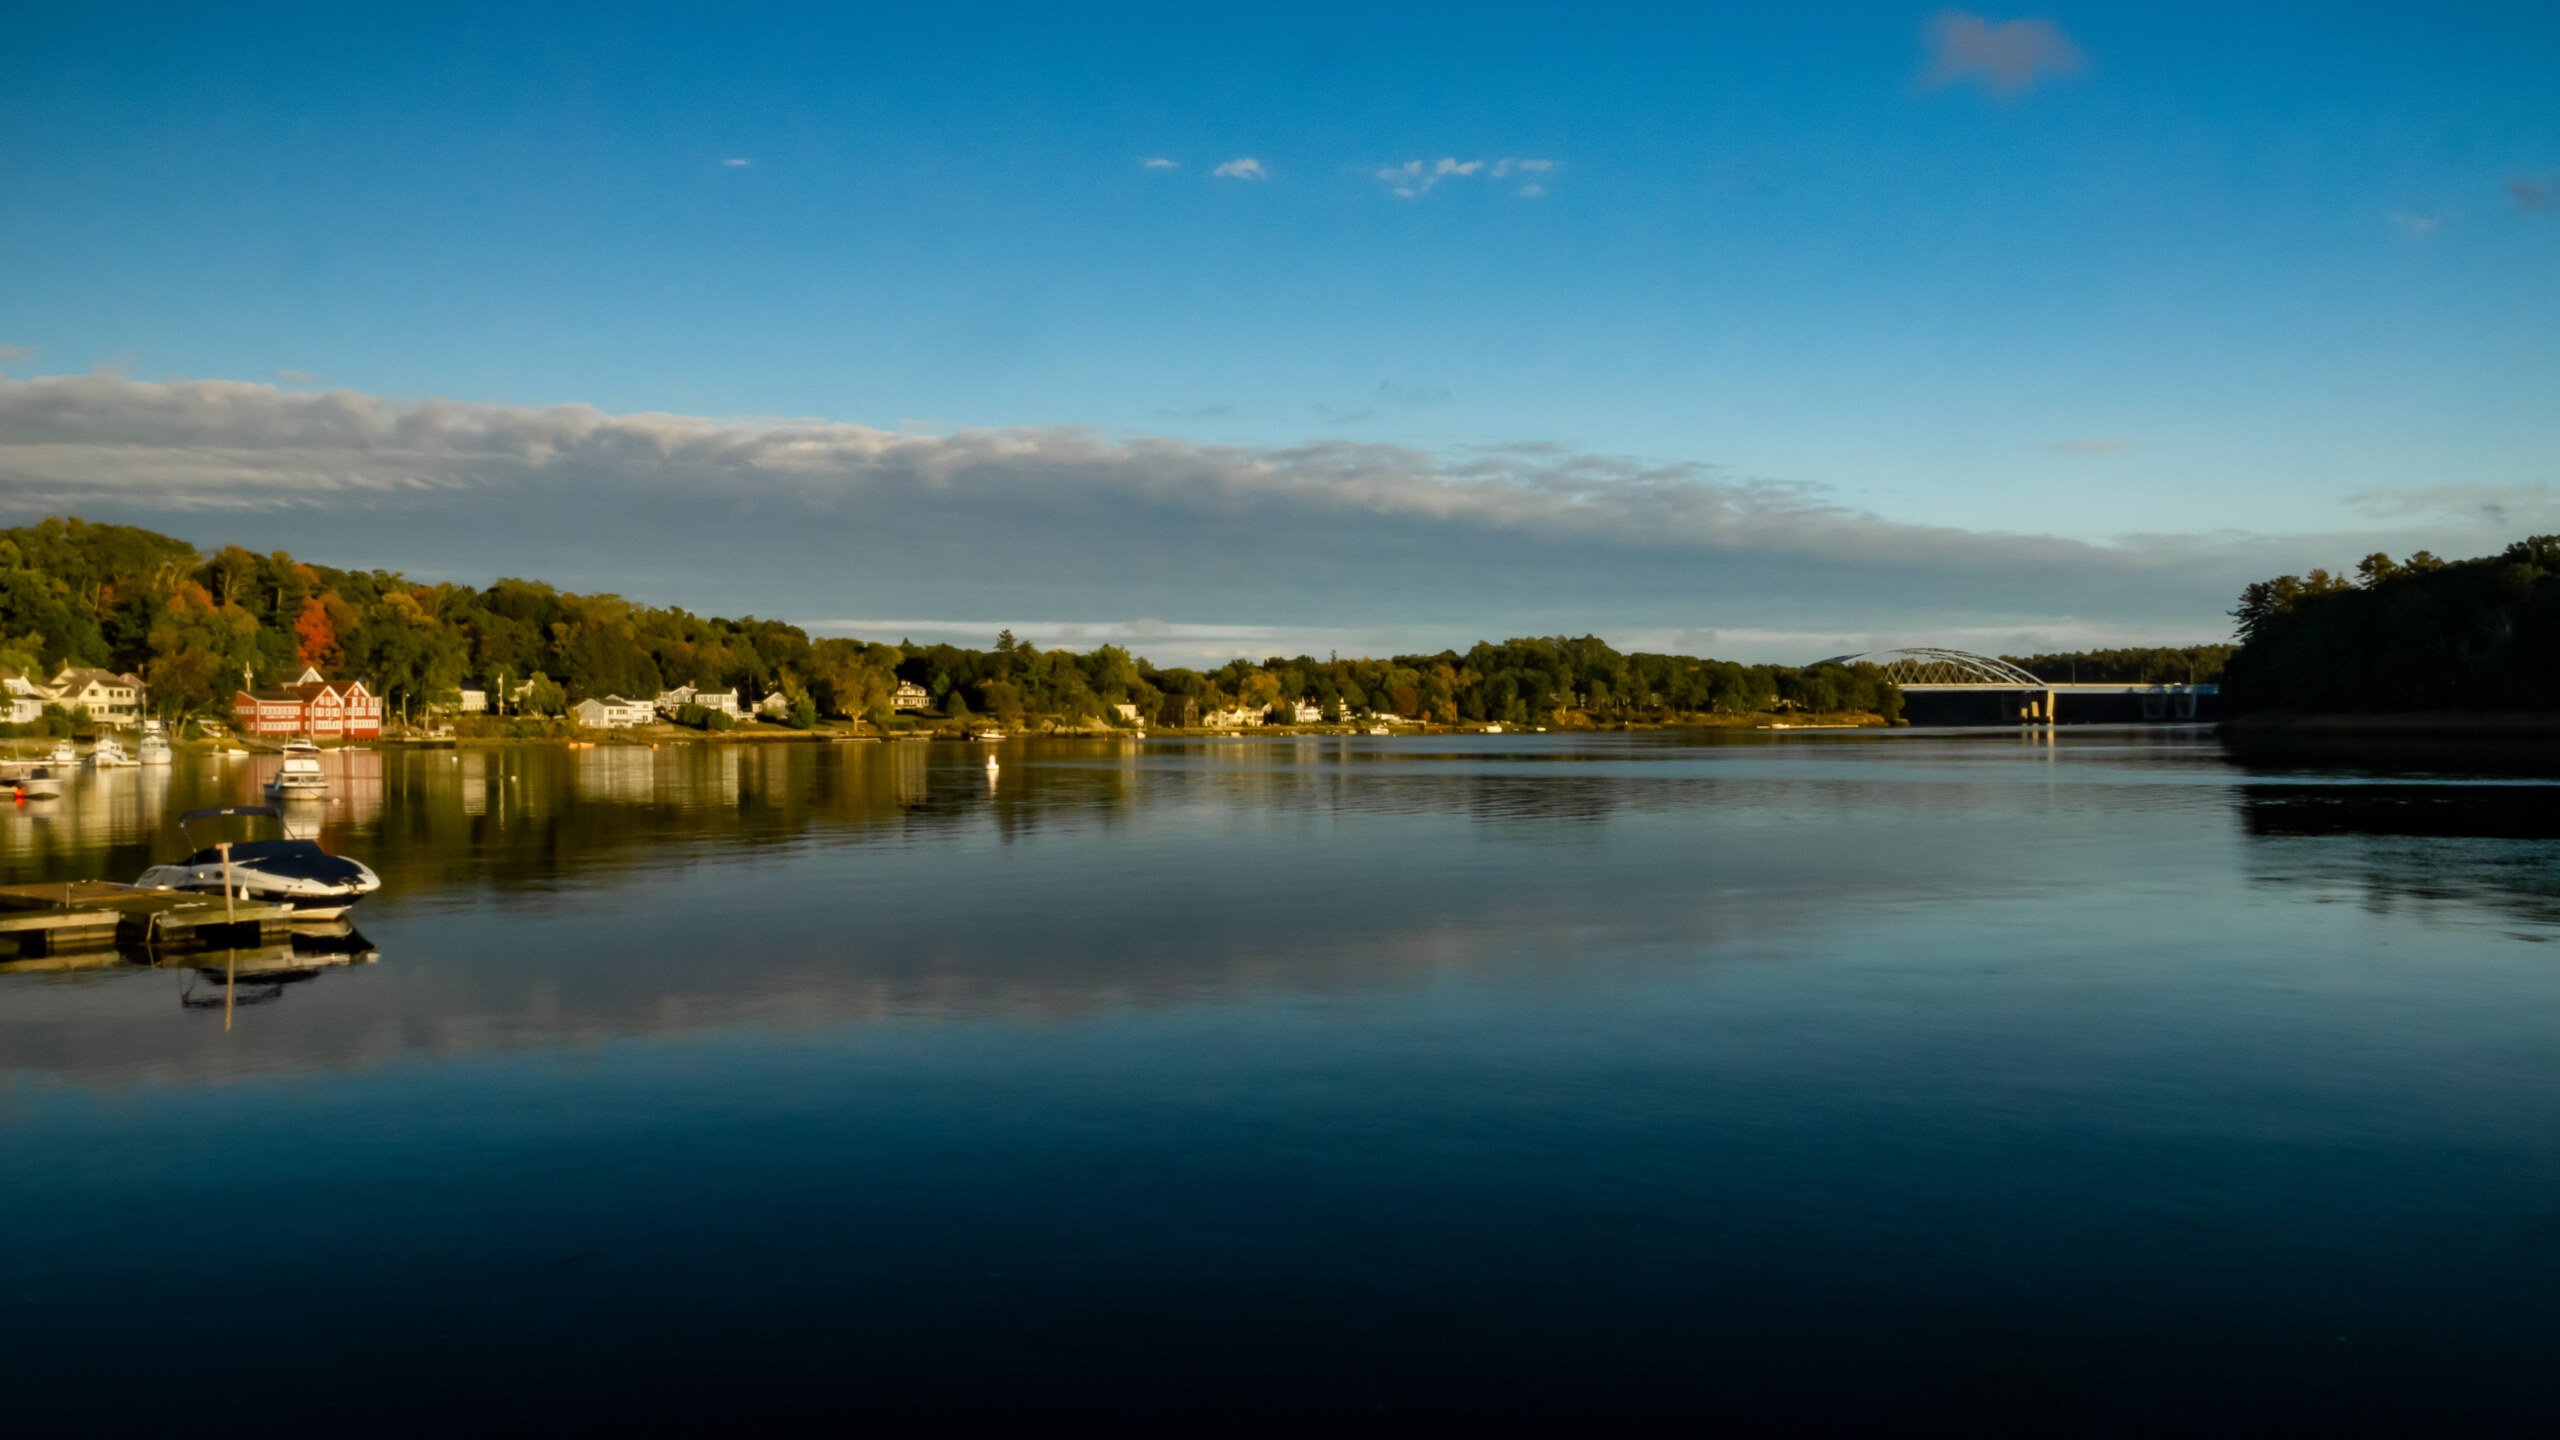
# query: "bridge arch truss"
[1929,665]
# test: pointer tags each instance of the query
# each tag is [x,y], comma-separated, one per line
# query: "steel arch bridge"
[1928,665]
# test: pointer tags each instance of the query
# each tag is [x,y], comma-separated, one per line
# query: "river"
[2042,1079]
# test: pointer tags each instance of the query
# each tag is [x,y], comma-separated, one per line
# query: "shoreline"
[655,736]
[2409,725]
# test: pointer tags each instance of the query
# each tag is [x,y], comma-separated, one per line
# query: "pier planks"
[92,914]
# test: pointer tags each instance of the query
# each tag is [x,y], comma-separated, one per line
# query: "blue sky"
[2280,277]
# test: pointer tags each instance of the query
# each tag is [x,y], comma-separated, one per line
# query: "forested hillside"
[2405,635]
[2130,665]
[192,623]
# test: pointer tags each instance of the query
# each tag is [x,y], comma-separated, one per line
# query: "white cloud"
[1158,162]
[815,517]
[2007,58]
[16,354]
[2412,223]
[1414,179]
[737,162]
[1243,167]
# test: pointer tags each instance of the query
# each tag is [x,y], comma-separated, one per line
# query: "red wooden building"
[311,706]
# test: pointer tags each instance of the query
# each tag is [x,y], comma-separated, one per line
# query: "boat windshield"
[250,851]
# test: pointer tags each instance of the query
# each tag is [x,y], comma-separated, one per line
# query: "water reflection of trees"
[2413,844]
[846,883]
[530,818]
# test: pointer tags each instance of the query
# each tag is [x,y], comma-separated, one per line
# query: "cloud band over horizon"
[1387,546]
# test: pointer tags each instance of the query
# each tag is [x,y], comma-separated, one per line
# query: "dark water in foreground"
[1889,1078]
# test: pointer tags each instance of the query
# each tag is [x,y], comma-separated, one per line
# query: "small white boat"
[1380,730]
[234,752]
[109,755]
[37,784]
[989,736]
[300,777]
[154,749]
[63,754]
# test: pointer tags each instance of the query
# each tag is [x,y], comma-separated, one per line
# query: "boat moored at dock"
[276,871]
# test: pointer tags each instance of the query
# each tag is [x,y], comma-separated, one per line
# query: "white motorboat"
[300,777]
[108,754]
[63,754]
[280,870]
[988,736]
[154,749]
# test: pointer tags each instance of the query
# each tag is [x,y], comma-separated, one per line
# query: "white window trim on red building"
[337,710]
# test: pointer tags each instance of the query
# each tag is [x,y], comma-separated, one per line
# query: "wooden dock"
[94,914]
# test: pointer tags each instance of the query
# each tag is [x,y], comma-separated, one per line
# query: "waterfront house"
[1306,712]
[1127,712]
[774,706]
[910,696]
[472,699]
[613,712]
[26,700]
[724,702]
[313,706]
[111,699]
[1232,719]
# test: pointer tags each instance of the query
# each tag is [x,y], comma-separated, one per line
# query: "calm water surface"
[1882,1077]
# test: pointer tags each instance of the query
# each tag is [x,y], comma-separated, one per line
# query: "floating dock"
[94,914]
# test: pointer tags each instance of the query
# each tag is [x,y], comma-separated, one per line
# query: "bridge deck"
[2067,687]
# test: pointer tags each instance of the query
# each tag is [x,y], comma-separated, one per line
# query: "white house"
[1127,712]
[723,701]
[911,696]
[26,700]
[774,706]
[474,699]
[1306,712]
[612,713]
[112,699]
[1231,719]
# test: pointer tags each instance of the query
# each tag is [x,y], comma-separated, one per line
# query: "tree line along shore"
[198,627]
[2415,646]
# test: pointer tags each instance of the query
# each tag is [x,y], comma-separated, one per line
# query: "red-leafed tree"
[316,639]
